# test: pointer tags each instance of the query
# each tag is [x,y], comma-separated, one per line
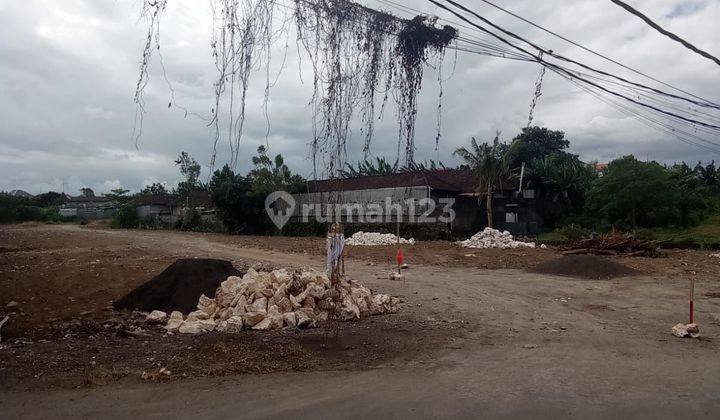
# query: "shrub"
[191,220]
[125,218]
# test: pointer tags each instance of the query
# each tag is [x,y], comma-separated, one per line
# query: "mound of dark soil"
[590,267]
[179,287]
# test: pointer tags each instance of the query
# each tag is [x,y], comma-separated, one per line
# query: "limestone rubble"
[686,331]
[376,239]
[493,238]
[274,300]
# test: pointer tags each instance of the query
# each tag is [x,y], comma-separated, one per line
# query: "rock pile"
[277,299]
[686,331]
[376,239]
[493,238]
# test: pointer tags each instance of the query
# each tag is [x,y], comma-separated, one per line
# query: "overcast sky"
[68,71]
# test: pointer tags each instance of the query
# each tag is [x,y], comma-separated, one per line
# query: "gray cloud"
[68,70]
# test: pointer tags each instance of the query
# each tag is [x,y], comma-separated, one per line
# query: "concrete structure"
[157,206]
[513,211]
[88,207]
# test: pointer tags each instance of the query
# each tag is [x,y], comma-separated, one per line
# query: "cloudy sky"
[68,71]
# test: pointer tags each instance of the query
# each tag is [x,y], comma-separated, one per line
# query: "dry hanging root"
[360,57]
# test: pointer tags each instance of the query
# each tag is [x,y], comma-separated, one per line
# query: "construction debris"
[615,243]
[273,300]
[376,239]
[493,238]
[156,317]
[686,331]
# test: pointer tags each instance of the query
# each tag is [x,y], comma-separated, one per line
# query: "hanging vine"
[152,12]
[359,56]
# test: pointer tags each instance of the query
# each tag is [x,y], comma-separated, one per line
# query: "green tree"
[694,194]
[87,192]
[119,195]
[154,189]
[190,170]
[635,194]
[230,194]
[270,175]
[708,175]
[492,166]
[537,143]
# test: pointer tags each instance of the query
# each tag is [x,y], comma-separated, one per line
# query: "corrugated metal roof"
[455,180]
[462,181]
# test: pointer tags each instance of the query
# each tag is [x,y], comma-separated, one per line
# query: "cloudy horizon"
[69,70]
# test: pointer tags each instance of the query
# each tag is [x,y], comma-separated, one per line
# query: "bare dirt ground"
[479,336]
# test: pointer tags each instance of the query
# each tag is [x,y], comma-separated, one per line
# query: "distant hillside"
[20,194]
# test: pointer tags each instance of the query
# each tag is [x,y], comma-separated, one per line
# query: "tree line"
[627,194]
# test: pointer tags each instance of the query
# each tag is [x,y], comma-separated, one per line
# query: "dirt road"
[500,343]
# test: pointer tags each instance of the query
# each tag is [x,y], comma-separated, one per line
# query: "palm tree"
[491,164]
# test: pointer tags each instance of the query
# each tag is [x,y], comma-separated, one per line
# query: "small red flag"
[399,257]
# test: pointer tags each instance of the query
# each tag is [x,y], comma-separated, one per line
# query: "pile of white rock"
[277,299]
[493,238]
[376,239]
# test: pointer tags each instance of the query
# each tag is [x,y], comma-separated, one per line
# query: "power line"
[603,56]
[648,121]
[575,77]
[666,32]
[707,104]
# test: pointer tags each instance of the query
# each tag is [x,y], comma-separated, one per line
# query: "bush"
[573,233]
[52,215]
[154,223]
[191,220]
[125,218]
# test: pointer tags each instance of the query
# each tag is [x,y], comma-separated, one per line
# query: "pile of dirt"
[179,287]
[590,267]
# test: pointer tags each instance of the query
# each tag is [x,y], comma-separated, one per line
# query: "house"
[88,207]
[167,208]
[601,169]
[518,212]
[420,193]
[159,205]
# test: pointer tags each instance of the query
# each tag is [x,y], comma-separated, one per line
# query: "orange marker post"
[692,300]
[399,258]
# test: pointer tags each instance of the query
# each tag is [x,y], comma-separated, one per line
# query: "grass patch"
[554,238]
[704,236]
